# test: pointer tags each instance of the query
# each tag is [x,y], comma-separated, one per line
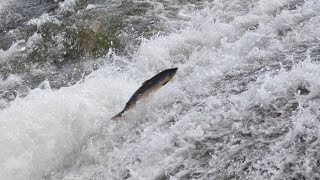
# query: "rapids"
[244,104]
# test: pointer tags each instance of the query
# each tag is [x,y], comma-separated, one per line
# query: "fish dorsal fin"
[145,82]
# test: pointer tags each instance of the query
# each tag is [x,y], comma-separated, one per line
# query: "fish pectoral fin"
[165,83]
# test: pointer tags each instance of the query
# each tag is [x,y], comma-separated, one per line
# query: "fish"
[149,86]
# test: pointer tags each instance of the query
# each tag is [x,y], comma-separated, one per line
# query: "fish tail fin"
[118,116]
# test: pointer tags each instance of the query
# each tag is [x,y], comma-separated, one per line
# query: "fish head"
[172,72]
[169,74]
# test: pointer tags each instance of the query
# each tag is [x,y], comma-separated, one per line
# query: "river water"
[244,104]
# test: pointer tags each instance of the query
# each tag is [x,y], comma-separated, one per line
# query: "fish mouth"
[174,70]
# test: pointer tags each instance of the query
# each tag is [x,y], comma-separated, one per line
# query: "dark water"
[61,49]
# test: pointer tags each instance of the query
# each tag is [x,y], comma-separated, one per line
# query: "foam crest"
[45,130]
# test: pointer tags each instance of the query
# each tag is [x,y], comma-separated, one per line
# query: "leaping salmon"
[149,86]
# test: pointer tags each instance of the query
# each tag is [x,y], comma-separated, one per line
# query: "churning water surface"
[244,103]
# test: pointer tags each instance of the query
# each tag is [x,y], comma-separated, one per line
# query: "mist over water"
[244,103]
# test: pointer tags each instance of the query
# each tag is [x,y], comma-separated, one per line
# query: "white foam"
[14,48]
[10,80]
[90,6]
[40,131]
[44,18]
[67,5]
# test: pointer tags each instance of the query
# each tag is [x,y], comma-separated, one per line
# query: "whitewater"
[244,104]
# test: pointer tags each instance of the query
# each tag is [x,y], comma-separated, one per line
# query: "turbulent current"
[244,104]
